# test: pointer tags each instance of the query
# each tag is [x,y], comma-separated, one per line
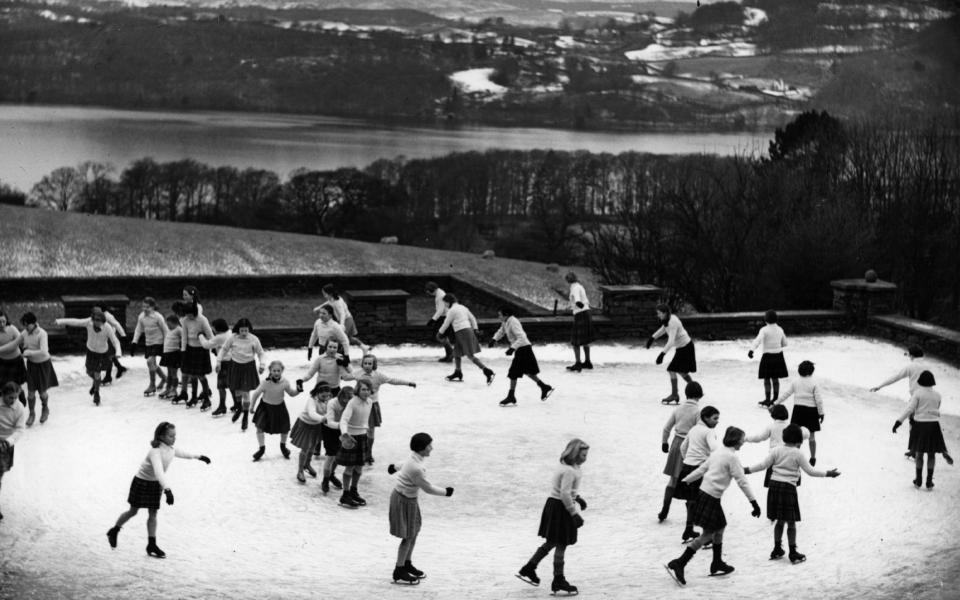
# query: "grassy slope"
[41,243]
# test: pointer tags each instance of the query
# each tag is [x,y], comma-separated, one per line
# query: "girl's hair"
[28,318]
[329,309]
[805,369]
[732,436]
[345,392]
[770,316]
[779,412]
[507,311]
[323,386]
[693,390]
[430,287]
[664,308]
[364,381]
[792,434]
[190,309]
[331,290]
[220,325]
[179,308]
[10,388]
[327,343]
[708,411]
[3,314]
[96,313]
[450,299]
[572,450]
[160,431]
[926,379]
[173,320]
[149,301]
[371,357]
[915,351]
[192,291]
[275,363]
[570,277]
[243,322]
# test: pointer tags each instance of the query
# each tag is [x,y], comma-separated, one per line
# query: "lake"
[35,140]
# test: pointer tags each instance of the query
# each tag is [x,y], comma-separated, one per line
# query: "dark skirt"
[772,366]
[356,456]
[686,491]
[331,440]
[376,417]
[768,475]
[674,462]
[556,524]
[928,437]
[223,377]
[465,343]
[153,350]
[582,333]
[171,359]
[806,416]
[196,361]
[244,377]
[708,513]
[13,369]
[41,376]
[6,459]
[782,503]
[524,363]
[272,418]
[684,360]
[306,436]
[96,361]
[405,520]
[144,494]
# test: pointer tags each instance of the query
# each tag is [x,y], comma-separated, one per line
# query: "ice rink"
[241,529]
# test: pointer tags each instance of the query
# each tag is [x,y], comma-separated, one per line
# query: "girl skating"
[354,442]
[342,315]
[172,355]
[153,326]
[150,483]
[927,437]
[40,376]
[911,372]
[440,311]
[13,422]
[582,334]
[195,360]
[12,367]
[681,421]
[684,359]
[700,444]
[771,340]
[244,350]
[331,436]
[524,361]
[369,367]
[807,405]
[461,321]
[326,328]
[307,432]
[271,416]
[100,336]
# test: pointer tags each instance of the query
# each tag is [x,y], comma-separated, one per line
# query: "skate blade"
[720,574]
[564,594]
[525,580]
[350,506]
[550,393]
[673,576]
[417,582]
[797,562]
[148,394]
[511,405]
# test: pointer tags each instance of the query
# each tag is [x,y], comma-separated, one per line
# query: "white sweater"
[718,471]
[771,338]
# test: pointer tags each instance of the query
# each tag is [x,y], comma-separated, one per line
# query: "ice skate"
[400,575]
[154,550]
[414,571]
[489,375]
[106,380]
[221,410]
[191,402]
[310,471]
[285,451]
[795,557]
[300,477]
[560,587]
[575,367]
[31,418]
[356,497]
[335,482]
[587,365]
[671,399]
[528,574]
[258,454]
[777,553]
[719,568]
[150,391]
[946,455]
[181,397]
[96,400]
[206,404]
[929,483]
[545,391]
[44,415]
[120,371]
[455,376]
[347,501]
[675,569]
[325,485]
[112,534]
[243,421]
[689,534]
[235,417]
[510,400]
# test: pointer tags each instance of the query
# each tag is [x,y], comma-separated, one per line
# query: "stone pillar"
[380,315]
[632,305]
[859,298]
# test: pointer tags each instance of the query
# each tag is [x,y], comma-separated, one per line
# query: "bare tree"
[60,190]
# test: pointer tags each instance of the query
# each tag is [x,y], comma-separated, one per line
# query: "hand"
[260,369]
[217,368]
[578,520]
[746,470]
[299,385]
[449,492]
[896,425]
[833,473]
[391,469]
[169,495]
[439,337]
[510,351]
[874,389]
[821,418]
[491,343]
[750,354]
[476,332]
[578,304]
[133,349]
[581,502]
[4,445]
[756,509]
[204,459]
[660,358]
[347,441]
[310,353]
[412,384]
[649,342]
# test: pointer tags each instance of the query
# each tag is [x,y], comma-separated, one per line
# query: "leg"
[31,406]
[813,446]
[776,388]
[152,548]
[260,442]
[919,465]
[674,394]
[404,571]
[152,522]
[44,409]
[686,377]
[126,516]
[586,361]
[667,499]
[794,556]
[931,463]
[766,390]
[559,582]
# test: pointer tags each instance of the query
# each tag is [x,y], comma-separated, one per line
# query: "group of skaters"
[339,421]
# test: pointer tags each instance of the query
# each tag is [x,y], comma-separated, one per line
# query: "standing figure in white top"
[33,344]
[717,473]
[681,421]
[786,460]
[582,334]
[439,312]
[771,340]
[405,519]
[172,355]
[774,432]
[342,315]
[100,336]
[11,359]
[911,372]
[684,359]
[152,325]
[354,442]
[150,483]
[807,405]
[524,361]
[13,422]
[560,518]
[927,436]
[113,356]
[465,330]
[700,443]
[270,415]
[307,432]
[369,366]
[326,328]
[242,350]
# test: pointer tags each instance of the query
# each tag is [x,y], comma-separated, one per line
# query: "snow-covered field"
[248,530]
[477,81]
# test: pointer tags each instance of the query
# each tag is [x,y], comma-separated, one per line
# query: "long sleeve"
[158,471]
[911,408]
[902,374]
[698,472]
[14,343]
[500,332]
[72,322]
[671,420]
[14,423]
[818,399]
[567,492]
[684,446]
[345,418]
[224,349]
[138,330]
[314,336]
[438,306]
[759,437]
[809,469]
[112,321]
[736,471]
[310,409]
[757,341]
[113,339]
[764,464]
[473,321]
[447,320]
[786,393]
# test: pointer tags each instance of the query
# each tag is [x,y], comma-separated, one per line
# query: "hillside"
[41,243]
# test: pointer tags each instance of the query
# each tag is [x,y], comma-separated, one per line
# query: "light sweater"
[158,460]
[272,391]
[787,462]
[314,411]
[96,340]
[412,477]
[924,405]
[35,345]
[578,294]
[13,421]
[355,419]
[774,431]
[911,372]
[459,317]
[700,443]
[565,486]
[807,394]
[112,322]
[677,336]
[720,468]
[9,340]
[512,328]
[328,370]
[241,349]
[340,311]
[377,379]
[153,326]
[216,343]
[682,419]
[173,339]
[440,307]
[192,328]
[771,339]
[334,412]
[331,330]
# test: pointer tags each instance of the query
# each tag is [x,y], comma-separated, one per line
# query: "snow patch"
[752,17]
[659,52]
[477,81]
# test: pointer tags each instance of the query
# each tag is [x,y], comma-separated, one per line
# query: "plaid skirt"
[272,418]
[306,436]
[806,416]
[782,503]
[928,437]
[768,475]
[153,350]
[13,369]
[708,513]
[331,440]
[772,366]
[582,332]
[674,461]
[556,523]
[96,361]
[684,360]
[243,377]
[223,377]
[144,494]
[6,460]
[171,359]
[41,376]
[465,343]
[356,456]
[405,520]
[524,363]
[196,361]
[686,491]
[376,417]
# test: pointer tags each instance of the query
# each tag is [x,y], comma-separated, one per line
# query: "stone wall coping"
[377,294]
[782,315]
[918,327]
[863,286]
[107,299]
[630,288]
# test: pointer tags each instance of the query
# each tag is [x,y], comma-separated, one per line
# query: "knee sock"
[673,386]
[792,535]
[206,386]
[766,389]
[353,482]
[778,534]
[667,499]
[346,479]
[539,555]
[776,389]
[193,388]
